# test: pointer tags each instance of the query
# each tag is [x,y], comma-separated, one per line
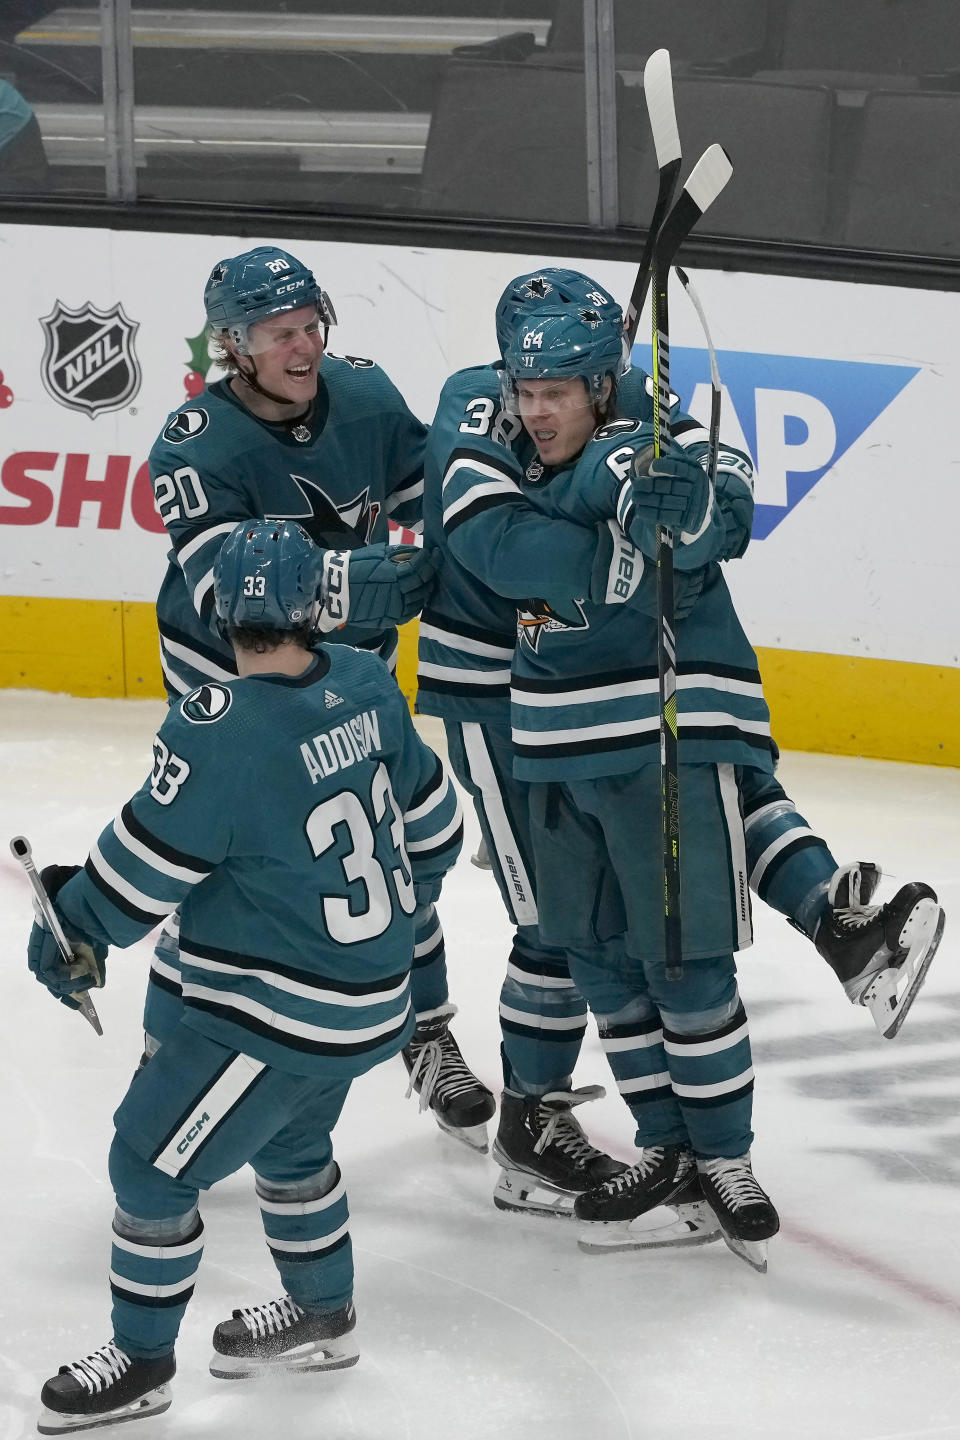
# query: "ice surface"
[473,1324]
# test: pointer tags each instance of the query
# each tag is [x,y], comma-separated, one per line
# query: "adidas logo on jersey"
[329,699]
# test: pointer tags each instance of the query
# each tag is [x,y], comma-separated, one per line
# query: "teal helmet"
[576,341]
[257,284]
[266,577]
[552,289]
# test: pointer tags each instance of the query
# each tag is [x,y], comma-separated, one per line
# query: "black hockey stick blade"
[704,184]
[658,93]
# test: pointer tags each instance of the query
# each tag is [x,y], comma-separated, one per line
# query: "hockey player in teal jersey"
[860,943]
[294,816]
[293,432]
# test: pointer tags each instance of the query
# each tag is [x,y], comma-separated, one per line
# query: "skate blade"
[693,1224]
[153,1403]
[527,1195]
[473,1136]
[338,1354]
[892,992]
[753,1251]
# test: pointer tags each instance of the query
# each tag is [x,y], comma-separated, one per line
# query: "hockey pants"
[543,1016]
[197,1113]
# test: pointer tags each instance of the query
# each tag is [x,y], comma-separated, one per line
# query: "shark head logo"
[334,525]
[536,617]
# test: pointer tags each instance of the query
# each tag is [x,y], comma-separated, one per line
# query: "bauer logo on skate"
[796,416]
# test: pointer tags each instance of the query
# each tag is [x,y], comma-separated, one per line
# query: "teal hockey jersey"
[474,465]
[353,463]
[467,631]
[289,819]
[585,699]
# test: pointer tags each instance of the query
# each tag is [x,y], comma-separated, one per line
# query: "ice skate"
[461,1105]
[880,953]
[481,856]
[658,1177]
[743,1208]
[686,1220]
[105,1388]
[280,1337]
[546,1159]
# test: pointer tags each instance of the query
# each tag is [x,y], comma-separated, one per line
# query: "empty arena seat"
[507,141]
[779,139]
[852,42]
[726,37]
[904,190]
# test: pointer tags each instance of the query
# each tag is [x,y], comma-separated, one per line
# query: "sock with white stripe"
[543,1018]
[307,1230]
[712,1076]
[632,1041]
[790,867]
[428,975]
[153,1267]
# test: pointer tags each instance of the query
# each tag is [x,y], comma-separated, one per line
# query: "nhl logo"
[89,362]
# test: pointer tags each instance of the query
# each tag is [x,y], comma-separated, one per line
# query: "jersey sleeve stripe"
[480,498]
[186,550]
[176,863]
[121,897]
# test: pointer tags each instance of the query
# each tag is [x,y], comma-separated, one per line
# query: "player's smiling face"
[287,350]
[559,416]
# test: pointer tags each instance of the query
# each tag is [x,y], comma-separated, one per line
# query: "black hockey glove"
[43,952]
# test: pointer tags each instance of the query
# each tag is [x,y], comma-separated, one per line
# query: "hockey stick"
[716,392]
[706,181]
[658,93]
[20,848]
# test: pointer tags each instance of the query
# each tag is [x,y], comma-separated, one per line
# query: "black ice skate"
[104,1389]
[658,1177]
[280,1337]
[743,1208]
[880,953]
[685,1220]
[461,1105]
[546,1159]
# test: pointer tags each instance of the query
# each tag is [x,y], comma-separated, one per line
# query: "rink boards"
[837,390]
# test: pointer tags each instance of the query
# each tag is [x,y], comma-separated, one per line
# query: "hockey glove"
[43,952]
[375,586]
[673,491]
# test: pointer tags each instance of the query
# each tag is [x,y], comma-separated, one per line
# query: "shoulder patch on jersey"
[617,427]
[206,705]
[185,425]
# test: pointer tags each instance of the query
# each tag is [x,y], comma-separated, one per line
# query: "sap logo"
[192,1134]
[794,415]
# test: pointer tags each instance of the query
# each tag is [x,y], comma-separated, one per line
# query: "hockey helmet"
[257,284]
[266,577]
[577,341]
[552,289]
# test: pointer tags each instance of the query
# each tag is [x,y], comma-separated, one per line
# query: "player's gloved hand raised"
[43,952]
[377,585]
[672,490]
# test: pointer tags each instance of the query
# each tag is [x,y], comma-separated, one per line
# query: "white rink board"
[841,384]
